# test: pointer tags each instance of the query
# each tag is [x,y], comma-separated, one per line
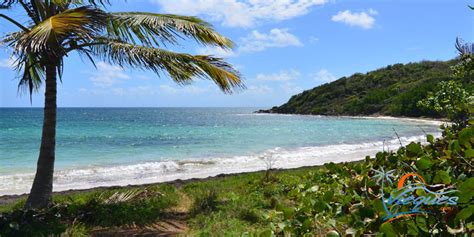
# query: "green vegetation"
[393,90]
[450,98]
[343,197]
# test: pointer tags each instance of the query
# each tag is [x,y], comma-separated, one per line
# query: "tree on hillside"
[57,28]
[451,98]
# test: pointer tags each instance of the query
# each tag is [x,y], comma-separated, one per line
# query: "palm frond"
[31,11]
[11,38]
[182,68]
[81,23]
[6,4]
[95,3]
[32,74]
[151,28]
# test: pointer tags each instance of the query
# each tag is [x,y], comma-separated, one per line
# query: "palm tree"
[57,28]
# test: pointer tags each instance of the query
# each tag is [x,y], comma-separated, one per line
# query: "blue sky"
[283,47]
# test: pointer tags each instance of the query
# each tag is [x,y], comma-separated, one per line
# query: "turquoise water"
[92,140]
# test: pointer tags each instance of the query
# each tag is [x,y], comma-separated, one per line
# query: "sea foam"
[162,171]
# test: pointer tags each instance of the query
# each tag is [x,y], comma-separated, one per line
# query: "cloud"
[373,12]
[359,19]
[216,51]
[276,38]
[256,42]
[258,90]
[291,88]
[108,75]
[323,76]
[279,76]
[240,13]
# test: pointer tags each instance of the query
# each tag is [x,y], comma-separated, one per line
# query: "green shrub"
[206,202]
[345,196]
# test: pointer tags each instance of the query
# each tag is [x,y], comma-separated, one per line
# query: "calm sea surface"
[101,146]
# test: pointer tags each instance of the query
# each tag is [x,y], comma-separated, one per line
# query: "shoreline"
[166,171]
[384,117]
[334,157]
[153,172]
[8,199]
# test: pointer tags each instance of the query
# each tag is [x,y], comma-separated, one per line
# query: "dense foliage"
[347,199]
[393,90]
[453,99]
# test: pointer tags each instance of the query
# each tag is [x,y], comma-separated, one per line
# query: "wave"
[162,171]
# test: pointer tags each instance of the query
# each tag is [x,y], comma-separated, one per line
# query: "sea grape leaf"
[466,190]
[414,149]
[465,213]
[455,146]
[421,223]
[366,212]
[412,230]
[442,177]
[327,197]
[430,138]
[388,230]
[424,163]
[378,205]
[266,233]
[466,136]
[469,153]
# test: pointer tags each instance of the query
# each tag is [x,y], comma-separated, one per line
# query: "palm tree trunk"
[41,191]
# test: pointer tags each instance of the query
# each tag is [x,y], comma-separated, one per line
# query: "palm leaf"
[63,3]
[5,4]
[94,3]
[32,76]
[81,23]
[182,68]
[152,28]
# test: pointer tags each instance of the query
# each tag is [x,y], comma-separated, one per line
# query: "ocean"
[120,146]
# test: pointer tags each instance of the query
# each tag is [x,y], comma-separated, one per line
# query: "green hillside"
[393,90]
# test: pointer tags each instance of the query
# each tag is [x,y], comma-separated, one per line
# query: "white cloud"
[361,19]
[240,13]
[279,76]
[256,42]
[323,76]
[276,38]
[108,75]
[216,51]
[373,12]
[291,88]
[258,90]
